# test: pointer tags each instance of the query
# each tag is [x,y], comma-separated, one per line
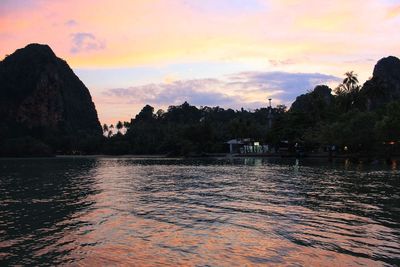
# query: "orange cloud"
[317,36]
[393,12]
[159,32]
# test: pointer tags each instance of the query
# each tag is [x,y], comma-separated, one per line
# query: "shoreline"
[351,157]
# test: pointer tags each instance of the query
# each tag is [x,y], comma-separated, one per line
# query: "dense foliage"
[316,120]
[186,129]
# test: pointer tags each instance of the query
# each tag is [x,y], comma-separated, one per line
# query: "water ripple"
[158,212]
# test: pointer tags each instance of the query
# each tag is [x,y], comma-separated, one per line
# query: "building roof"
[238,141]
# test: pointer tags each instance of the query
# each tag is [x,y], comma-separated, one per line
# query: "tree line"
[316,119]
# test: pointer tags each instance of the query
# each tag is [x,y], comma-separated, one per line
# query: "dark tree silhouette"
[105,128]
[119,126]
[349,84]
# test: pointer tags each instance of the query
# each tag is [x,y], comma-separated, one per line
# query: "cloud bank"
[249,90]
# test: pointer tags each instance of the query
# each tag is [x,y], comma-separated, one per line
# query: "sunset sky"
[231,53]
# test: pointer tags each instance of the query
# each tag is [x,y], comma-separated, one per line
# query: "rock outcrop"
[384,86]
[40,96]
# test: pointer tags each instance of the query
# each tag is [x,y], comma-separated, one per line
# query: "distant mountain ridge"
[40,96]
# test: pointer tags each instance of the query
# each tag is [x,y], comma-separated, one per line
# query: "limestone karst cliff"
[41,97]
[384,86]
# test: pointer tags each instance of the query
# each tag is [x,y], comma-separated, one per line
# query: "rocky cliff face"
[41,95]
[384,86]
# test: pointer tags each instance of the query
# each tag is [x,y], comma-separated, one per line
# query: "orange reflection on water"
[133,241]
[142,228]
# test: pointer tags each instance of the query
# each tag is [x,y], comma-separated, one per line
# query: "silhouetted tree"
[348,91]
[119,126]
[160,113]
[105,128]
[349,84]
[146,114]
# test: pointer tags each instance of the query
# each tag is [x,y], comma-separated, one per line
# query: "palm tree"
[348,90]
[105,128]
[349,84]
[119,126]
[352,83]
[351,78]
[127,125]
[110,130]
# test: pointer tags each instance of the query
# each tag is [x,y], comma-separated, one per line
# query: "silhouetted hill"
[384,86]
[41,97]
[317,99]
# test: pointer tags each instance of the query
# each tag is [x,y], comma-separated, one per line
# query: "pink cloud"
[85,42]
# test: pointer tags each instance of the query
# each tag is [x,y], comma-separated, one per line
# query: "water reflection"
[41,200]
[226,212]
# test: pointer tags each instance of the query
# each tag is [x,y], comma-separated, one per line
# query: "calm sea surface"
[164,212]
